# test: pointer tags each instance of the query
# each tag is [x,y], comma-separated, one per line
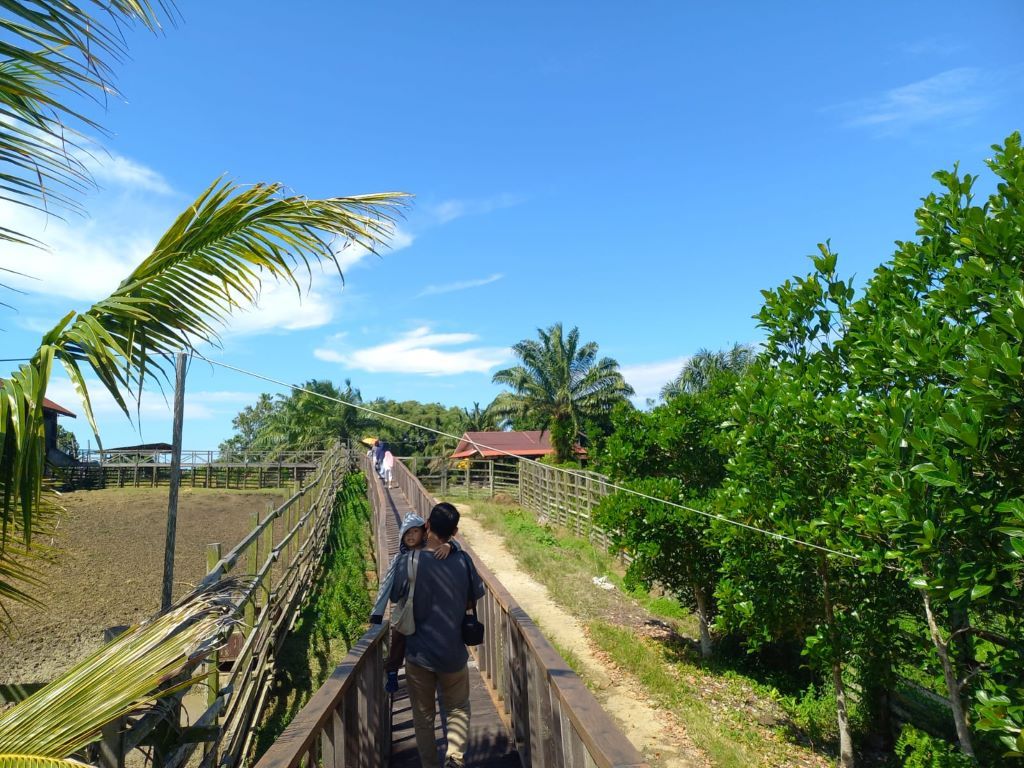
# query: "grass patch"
[564,563]
[716,710]
[333,619]
[736,716]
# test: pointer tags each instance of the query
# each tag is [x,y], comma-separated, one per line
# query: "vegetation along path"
[638,652]
[655,732]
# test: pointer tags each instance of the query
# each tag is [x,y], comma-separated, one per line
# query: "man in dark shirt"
[435,656]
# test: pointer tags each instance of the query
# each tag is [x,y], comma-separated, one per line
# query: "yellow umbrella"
[368,440]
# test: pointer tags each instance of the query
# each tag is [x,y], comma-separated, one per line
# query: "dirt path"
[656,733]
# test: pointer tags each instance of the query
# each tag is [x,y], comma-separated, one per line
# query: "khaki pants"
[454,692]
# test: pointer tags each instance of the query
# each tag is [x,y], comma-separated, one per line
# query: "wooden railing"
[347,722]
[472,477]
[554,719]
[279,561]
[199,469]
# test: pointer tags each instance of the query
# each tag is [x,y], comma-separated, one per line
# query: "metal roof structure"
[491,445]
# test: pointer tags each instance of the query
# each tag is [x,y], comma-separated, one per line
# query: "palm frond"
[34,761]
[50,50]
[209,263]
[126,675]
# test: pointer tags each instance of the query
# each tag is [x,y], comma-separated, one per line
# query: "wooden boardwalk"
[489,742]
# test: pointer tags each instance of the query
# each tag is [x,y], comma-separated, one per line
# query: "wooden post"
[490,467]
[213,660]
[266,548]
[172,496]
[252,566]
[111,745]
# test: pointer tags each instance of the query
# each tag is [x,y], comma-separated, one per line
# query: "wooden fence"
[347,722]
[279,561]
[199,469]
[564,497]
[470,477]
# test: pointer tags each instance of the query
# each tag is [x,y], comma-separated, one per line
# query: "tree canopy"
[559,385]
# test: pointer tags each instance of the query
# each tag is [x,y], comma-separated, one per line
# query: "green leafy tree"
[403,433]
[67,442]
[249,425]
[936,344]
[675,453]
[798,436]
[558,385]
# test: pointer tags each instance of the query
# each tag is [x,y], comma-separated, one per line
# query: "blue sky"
[641,173]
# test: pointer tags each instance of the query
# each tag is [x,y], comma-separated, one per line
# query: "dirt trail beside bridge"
[654,732]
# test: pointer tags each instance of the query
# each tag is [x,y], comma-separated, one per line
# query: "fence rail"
[279,560]
[199,469]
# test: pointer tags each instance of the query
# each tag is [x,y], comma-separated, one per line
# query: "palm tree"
[699,370]
[477,419]
[559,385]
[311,419]
[211,261]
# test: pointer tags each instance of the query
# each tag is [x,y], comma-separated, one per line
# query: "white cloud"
[450,210]
[281,308]
[84,259]
[349,254]
[154,408]
[433,290]
[647,379]
[419,352]
[123,172]
[955,93]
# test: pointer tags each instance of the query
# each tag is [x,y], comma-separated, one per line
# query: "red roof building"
[493,445]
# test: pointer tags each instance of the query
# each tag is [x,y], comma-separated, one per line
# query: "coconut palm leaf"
[210,262]
[32,761]
[48,51]
[128,674]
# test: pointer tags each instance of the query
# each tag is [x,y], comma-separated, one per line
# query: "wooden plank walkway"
[489,742]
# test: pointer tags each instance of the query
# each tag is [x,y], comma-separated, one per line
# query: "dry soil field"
[110,566]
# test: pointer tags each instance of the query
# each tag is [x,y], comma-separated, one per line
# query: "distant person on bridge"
[411,536]
[387,466]
[435,654]
[378,454]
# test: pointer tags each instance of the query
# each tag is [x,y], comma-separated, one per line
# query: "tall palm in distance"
[479,419]
[558,386]
[698,372]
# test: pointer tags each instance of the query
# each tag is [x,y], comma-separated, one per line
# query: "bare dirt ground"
[109,569]
[654,732]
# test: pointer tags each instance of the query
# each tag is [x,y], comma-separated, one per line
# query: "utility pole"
[172,496]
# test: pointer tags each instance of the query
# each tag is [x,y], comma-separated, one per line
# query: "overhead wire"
[567,471]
